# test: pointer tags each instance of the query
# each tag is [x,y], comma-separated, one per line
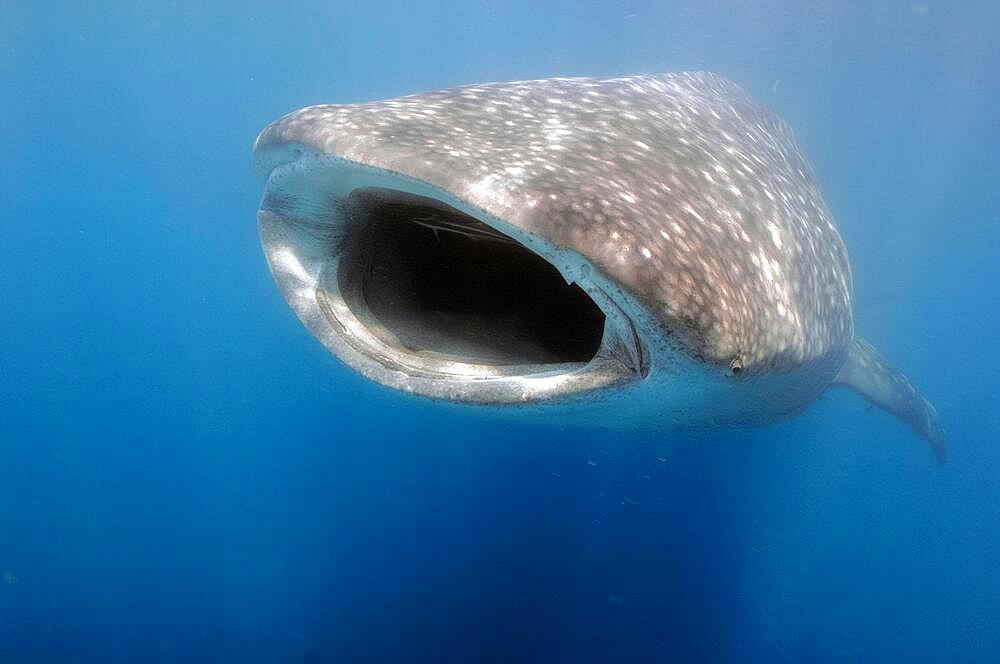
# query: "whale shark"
[647,252]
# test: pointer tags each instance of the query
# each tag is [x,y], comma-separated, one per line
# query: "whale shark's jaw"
[418,291]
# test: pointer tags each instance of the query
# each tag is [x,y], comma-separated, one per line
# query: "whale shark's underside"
[648,252]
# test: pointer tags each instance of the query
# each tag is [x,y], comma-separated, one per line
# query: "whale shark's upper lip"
[412,288]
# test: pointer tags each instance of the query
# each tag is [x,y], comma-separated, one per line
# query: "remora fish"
[649,251]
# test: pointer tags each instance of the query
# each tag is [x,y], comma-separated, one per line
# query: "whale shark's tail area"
[868,374]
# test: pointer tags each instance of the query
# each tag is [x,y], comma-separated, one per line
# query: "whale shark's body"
[646,252]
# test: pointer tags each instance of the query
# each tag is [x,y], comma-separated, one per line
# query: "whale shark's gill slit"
[435,282]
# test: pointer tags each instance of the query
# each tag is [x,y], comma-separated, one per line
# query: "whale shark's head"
[558,241]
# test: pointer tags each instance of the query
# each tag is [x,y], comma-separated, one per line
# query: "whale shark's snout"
[649,251]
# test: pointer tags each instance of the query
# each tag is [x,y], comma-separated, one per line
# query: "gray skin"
[683,210]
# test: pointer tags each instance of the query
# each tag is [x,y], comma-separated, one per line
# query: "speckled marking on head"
[695,200]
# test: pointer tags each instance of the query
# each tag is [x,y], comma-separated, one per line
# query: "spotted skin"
[677,187]
[886,387]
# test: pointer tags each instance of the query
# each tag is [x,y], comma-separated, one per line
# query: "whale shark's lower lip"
[421,296]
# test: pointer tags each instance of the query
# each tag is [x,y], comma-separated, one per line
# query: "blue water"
[185,475]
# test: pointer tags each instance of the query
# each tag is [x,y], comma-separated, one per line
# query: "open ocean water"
[187,476]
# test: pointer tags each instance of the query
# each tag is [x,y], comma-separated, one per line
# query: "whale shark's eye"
[425,276]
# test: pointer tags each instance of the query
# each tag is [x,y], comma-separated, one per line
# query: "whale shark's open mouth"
[441,285]
[417,294]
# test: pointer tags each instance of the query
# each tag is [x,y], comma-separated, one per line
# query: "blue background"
[185,475]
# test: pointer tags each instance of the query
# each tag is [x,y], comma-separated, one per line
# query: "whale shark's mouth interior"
[433,281]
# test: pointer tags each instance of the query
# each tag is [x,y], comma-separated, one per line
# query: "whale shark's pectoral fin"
[868,374]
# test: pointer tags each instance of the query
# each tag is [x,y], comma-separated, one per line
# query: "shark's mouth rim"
[303,233]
